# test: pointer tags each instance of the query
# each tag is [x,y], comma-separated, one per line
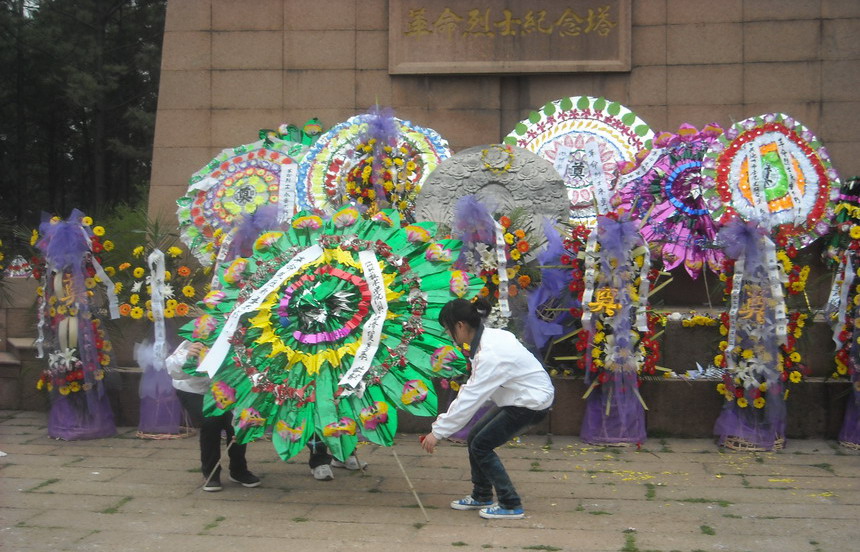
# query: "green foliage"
[77,104]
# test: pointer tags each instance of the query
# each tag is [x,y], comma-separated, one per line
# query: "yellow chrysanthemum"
[795,376]
[742,402]
[794,356]
[136,313]
[108,245]
[854,232]
[134,299]
[174,251]
[99,230]
[138,272]
[188,291]
[87,221]
[34,237]
[137,251]
[759,402]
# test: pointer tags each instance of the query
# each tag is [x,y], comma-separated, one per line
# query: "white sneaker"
[351,463]
[322,473]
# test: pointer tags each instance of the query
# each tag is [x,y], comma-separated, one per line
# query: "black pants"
[210,436]
[319,452]
[495,429]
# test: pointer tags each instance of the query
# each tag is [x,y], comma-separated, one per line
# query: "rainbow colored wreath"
[329,327]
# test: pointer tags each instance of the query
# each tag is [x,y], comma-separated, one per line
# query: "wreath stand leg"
[409,482]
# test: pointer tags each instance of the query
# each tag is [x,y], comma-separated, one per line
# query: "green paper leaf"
[583,102]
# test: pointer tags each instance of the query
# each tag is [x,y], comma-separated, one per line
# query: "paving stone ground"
[130,494]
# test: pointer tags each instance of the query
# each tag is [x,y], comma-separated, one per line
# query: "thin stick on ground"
[409,482]
[218,465]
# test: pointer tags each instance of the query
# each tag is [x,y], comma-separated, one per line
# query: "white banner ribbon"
[502,268]
[757,182]
[113,303]
[734,307]
[287,191]
[215,357]
[643,167]
[644,288]
[599,185]
[562,159]
[110,290]
[782,147]
[156,286]
[590,275]
[42,306]
[371,334]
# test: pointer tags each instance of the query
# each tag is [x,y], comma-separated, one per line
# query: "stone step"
[8,359]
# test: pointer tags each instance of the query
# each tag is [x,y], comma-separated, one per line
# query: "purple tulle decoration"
[472,224]
[249,229]
[70,422]
[160,410]
[750,427]
[763,433]
[850,432]
[626,420]
[84,414]
[617,239]
[63,243]
[743,238]
[383,127]
[614,409]
[541,324]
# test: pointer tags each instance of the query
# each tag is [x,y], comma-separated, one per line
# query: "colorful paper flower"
[304,355]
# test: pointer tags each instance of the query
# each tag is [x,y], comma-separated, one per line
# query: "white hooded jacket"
[504,372]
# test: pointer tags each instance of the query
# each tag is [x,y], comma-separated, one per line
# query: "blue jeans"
[496,428]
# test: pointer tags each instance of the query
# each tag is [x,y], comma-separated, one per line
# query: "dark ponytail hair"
[461,310]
